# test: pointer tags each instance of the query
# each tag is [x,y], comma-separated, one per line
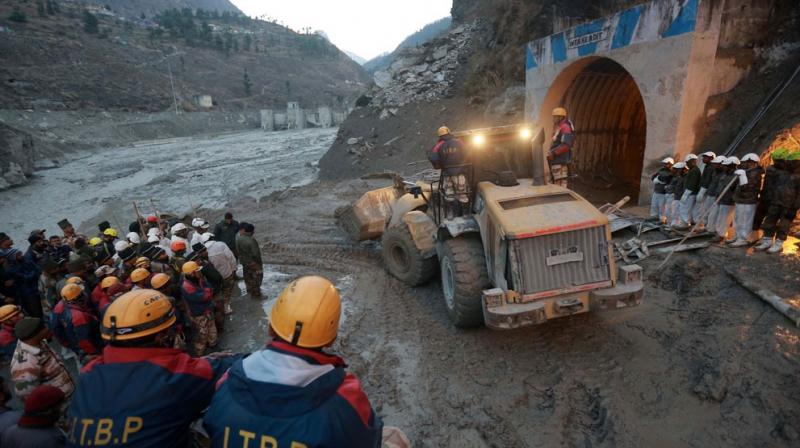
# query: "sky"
[364,27]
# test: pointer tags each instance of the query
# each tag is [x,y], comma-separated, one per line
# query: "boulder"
[352,141]
[13,174]
[510,102]
[382,79]
[440,53]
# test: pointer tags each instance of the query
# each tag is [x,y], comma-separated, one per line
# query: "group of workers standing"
[138,317]
[725,193]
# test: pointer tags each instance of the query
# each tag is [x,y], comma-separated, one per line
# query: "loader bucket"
[367,217]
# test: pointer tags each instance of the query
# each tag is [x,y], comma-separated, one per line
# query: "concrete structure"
[297,118]
[203,101]
[635,84]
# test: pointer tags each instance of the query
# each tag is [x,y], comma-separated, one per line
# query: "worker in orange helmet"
[560,154]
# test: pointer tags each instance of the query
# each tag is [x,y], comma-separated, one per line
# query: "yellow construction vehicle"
[526,251]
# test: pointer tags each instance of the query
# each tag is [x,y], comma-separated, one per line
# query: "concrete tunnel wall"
[661,50]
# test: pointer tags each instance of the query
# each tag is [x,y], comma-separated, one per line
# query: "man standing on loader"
[449,155]
[560,154]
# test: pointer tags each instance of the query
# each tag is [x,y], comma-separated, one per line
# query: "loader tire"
[464,277]
[402,258]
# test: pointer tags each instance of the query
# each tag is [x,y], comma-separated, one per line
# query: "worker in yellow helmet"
[292,391]
[450,155]
[141,391]
[560,154]
[198,296]
[9,316]
[74,323]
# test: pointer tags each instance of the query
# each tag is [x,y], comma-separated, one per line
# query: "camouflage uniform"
[250,257]
[35,366]
[205,333]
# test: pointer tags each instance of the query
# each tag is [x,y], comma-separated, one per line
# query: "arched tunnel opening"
[608,112]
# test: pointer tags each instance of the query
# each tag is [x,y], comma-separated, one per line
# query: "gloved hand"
[742,176]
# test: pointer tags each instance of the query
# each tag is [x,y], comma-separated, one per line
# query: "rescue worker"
[127,257]
[200,226]
[23,284]
[745,199]
[292,392]
[561,146]
[691,188]
[661,179]
[784,198]
[140,279]
[163,283]
[178,249]
[771,174]
[74,324]
[8,417]
[56,249]
[712,193]
[52,272]
[727,189]
[707,173]
[34,363]
[225,263]
[250,257]
[450,156]
[198,297]
[180,233]
[141,391]
[9,316]
[69,233]
[101,296]
[36,428]
[37,249]
[109,237]
[677,187]
[226,231]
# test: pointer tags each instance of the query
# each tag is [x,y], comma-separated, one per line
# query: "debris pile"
[423,73]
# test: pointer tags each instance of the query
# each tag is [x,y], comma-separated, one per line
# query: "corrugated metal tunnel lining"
[607,109]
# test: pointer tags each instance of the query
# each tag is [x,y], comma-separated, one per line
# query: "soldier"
[250,257]
[34,363]
[199,299]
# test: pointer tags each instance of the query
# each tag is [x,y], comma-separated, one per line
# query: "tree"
[40,8]
[247,83]
[248,40]
[17,16]
[52,7]
[90,23]
[142,16]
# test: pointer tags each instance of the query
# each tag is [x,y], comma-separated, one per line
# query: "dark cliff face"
[134,8]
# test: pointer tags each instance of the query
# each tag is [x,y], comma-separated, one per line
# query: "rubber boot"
[776,248]
[764,244]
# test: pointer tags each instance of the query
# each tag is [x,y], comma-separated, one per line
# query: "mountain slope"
[427,33]
[131,64]
[134,8]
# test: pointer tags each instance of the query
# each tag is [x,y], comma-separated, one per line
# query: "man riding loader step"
[560,154]
[525,252]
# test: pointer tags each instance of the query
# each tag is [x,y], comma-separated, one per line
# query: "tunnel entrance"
[607,109]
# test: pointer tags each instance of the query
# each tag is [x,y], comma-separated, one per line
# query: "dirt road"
[700,363]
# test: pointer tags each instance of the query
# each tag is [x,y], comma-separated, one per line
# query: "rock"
[382,79]
[402,64]
[14,175]
[384,114]
[466,438]
[439,77]
[510,102]
[440,53]
[352,140]
[419,68]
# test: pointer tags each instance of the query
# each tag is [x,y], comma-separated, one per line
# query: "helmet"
[191,266]
[71,292]
[178,227]
[95,241]
[110,232]
[718,159]
[444,130]
[751,157]
[177,246]
[74,281]
[133,237]
[142,262]
[139,274]
[732,160]
[109,282]
[137,314]
[159,280]
[152,219]
[9,311]
[669,160]
[307,312]
[679,166]
[559,112]
[709,154]
[121,245]
[690,157]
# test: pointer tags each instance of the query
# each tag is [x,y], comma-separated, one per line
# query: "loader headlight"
[478,140]
[525,134]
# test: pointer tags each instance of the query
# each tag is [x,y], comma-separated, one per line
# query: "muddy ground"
[700,363]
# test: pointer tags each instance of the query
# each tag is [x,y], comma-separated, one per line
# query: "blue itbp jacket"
[285,394]
[141,397]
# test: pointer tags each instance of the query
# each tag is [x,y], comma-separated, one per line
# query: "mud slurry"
[701,363]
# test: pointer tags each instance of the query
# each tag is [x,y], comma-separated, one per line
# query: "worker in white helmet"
[676,190]
[710,207]
[661,179]
[181,233]
[691,187]
[746,198]
[725,206]
[707,172]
